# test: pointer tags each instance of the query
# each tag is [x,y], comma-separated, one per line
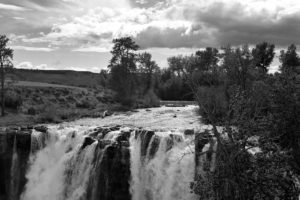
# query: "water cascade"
[103,163]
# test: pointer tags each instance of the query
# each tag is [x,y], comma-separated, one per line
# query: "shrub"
[212,103]
[149,100]
[50,115]
[87,103]
[31,111]
[12,100]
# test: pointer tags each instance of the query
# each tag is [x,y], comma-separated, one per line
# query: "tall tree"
[176,64]
[208,58]
[289,59]
[6,54]
[147,67]
[238,63]
[123,69]
[263,55]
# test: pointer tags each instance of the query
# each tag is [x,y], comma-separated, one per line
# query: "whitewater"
[142,155]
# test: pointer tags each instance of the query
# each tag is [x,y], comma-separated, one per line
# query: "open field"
[41,84]
[58,77]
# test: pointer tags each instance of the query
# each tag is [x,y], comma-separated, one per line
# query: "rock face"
[14,155]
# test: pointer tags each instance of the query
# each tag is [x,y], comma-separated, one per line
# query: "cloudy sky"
[77,34]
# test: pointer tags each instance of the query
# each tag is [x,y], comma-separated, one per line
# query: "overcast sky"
[77,34]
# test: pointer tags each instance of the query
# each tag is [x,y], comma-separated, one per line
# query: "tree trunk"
[2,90]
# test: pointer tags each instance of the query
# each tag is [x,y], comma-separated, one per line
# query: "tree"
[103,77]
[147,67]
[238,63]
[208,58]
[123,69]
[6,54]
[176,64]
[263,55]
[289,59]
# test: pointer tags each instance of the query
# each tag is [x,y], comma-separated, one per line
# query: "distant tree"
[176,64]
[263,55]
[103,77]
[6,54]
[289,59]
[123,69]
[147,67]
[208,58]
[238,63]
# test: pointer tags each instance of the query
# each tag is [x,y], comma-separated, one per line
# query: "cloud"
[176,24]
[11,7]
[24,65]
[93,49]
[29,65]
[88,27]
[26,48]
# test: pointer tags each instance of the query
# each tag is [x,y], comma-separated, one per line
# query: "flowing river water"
[142,155]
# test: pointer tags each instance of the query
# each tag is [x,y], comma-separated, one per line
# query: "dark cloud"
[145,3]
[171,38]
[236,26]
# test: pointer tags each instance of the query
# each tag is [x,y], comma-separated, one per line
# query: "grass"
[59,78]
[45,103]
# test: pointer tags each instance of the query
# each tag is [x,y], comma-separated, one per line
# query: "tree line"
[234,90]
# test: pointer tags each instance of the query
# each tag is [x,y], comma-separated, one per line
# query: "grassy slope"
[54,96]
[60,77]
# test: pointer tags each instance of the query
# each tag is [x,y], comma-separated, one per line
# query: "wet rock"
[189,132]
[124,136]
[112,175]
[15,146]
[145,137]
[87,141]
[154,146]
[42,129]
[103,143]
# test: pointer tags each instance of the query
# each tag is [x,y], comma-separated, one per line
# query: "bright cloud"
[11,7]
[77,26]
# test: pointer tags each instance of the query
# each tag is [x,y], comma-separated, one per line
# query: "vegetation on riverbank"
[259,111]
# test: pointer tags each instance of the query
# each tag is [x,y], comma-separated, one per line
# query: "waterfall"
[109,163]
[167,174]
[59,170]
[14,173]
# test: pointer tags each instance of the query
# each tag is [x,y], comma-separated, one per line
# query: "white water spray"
[166,175]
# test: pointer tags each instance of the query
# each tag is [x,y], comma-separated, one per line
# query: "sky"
[78,34]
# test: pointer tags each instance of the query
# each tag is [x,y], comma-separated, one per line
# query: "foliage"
[149,100]
[212,104]
[263,55]
[12,100]
[6,54]
[289,59]
[262,106]
[147,69]
[123,70]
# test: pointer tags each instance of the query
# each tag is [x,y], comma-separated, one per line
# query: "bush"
[148,101]
[212,104]
[86,103]
[31,111]
[50,115]
[12,100]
